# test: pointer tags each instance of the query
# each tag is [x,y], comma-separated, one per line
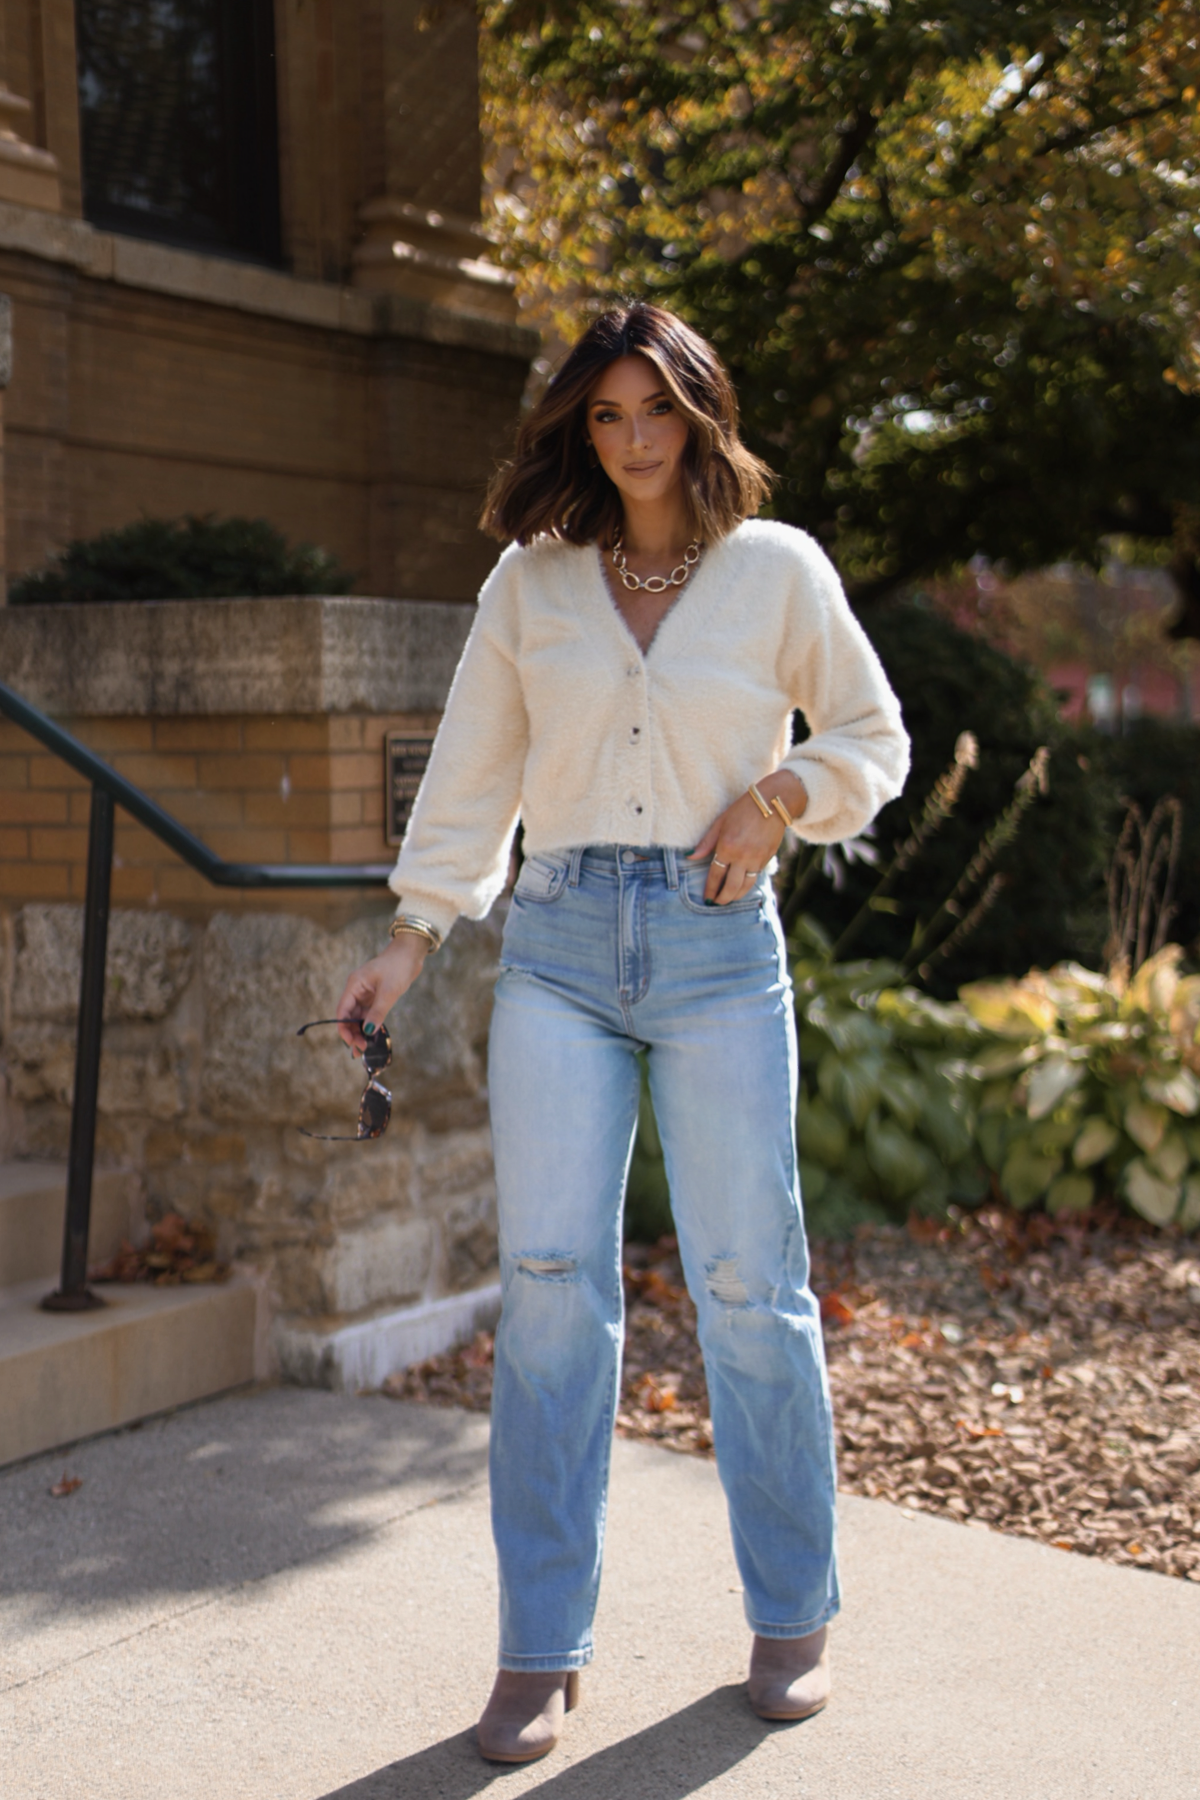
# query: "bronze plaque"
[405,756]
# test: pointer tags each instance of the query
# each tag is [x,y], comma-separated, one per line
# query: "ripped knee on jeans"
[724,1282]
[547,1266]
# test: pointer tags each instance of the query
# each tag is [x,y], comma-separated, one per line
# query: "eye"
[604,418]
[662,406]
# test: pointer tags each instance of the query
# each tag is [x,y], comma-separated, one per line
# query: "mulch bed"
[1036,1376]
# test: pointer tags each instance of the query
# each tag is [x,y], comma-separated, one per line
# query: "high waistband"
[650,859]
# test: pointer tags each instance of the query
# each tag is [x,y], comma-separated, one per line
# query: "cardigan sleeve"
[454,858]
[857,756]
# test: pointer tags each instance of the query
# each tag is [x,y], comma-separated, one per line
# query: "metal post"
[73,1294]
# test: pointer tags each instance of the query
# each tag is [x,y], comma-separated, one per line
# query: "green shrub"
[1052,905]
[196,558]
[886,1116]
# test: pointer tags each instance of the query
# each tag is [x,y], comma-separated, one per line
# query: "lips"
[642,468]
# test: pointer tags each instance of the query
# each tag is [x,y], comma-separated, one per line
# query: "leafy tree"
[197,558]
[949,251]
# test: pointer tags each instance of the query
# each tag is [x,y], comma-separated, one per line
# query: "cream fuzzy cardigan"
[555,715]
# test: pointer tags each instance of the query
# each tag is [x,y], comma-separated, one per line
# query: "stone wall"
[204,1084]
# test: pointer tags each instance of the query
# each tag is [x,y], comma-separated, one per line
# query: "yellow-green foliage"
[1066,1087]
[1091,1085]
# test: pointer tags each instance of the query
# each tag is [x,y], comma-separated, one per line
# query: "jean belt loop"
[671,866]
[576,864]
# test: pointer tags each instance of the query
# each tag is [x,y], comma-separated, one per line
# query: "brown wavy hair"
[555,487]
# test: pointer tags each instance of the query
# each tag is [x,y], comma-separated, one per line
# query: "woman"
[627,691]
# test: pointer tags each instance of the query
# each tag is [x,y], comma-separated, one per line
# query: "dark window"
[177,110]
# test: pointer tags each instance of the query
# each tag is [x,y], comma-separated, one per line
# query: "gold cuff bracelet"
[408,922]
[758,800]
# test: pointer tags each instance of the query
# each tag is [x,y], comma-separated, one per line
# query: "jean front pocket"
[542,879]
[692,879]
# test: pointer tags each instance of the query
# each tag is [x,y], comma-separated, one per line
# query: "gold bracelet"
[778,806]
[758,800]
[408,922]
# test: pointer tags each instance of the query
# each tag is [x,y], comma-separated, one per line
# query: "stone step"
[32,1200]
[65,1376]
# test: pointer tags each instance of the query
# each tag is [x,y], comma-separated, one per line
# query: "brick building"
[241,239]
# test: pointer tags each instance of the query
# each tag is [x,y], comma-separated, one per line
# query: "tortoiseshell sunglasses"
[375,1107]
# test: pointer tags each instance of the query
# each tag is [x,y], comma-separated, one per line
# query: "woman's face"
[638,434]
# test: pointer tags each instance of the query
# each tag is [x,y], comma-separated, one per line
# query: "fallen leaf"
[657,1394]
[927,1231]
[834,1308]
[178,1251]
[652,1286]
[69,1484]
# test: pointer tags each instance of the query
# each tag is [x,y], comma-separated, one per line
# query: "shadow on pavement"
[221,1493]
[667,1761]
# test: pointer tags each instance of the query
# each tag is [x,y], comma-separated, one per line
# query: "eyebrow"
[658,394]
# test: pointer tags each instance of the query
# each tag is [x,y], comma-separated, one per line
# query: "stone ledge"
[66,1376]
[249,287]
[351,1358]
[176,658]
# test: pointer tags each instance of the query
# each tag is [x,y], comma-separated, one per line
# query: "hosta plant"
[886,1116]
[1089,1085]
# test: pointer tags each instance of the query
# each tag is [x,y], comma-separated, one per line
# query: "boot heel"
[524,1716]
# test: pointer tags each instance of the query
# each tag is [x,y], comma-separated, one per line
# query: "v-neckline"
[688,590]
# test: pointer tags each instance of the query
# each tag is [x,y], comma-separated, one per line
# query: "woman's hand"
[373,990]
[741,842]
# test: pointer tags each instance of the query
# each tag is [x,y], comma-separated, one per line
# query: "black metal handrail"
[110,790]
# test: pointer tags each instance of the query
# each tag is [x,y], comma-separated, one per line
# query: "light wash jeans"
[606,952]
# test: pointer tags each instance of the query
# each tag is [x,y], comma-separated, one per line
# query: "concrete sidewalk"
[289,1595]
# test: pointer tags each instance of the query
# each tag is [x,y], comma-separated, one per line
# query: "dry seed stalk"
[1141,883]
[1030,784]
[940,802]
[966,925]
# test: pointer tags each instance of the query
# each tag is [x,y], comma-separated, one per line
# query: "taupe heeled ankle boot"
[524,1716]
[789,1677]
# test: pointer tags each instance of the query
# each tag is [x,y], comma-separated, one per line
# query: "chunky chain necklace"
[654,584]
